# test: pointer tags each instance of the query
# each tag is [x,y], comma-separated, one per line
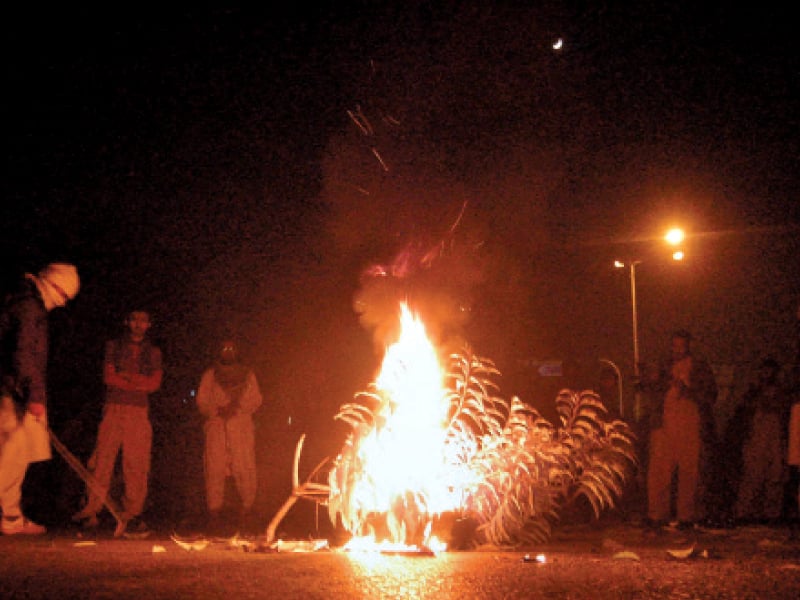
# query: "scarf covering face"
[50,297]
[231,378]
[57,283]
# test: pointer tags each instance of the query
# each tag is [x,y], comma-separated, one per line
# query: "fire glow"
[405,472]
[428,445]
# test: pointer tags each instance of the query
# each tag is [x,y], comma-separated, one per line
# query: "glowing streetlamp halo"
[675,236]
[678,255]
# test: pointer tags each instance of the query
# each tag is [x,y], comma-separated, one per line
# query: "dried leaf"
[681,553]
[626,555]
[190,545]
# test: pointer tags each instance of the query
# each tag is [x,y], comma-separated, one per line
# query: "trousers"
[674,447]
[124,429]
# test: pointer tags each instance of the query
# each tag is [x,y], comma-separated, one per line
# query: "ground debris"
[193,544]
[300,545]
[626,555]
[693,551]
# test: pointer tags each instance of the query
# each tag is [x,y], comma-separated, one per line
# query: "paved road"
[580,562]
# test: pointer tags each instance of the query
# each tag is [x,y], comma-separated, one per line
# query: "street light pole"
[635,318]
[620,402]
[635,322]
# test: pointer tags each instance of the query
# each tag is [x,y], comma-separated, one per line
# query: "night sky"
[238,170]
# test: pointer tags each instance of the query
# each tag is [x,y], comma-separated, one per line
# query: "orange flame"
[405,472]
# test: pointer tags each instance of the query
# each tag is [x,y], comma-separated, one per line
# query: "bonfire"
[432,437]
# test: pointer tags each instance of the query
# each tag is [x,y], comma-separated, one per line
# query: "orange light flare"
[409,470]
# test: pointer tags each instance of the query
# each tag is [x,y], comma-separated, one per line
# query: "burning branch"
[425,442]
[500,463]
[534,469]
[308,490]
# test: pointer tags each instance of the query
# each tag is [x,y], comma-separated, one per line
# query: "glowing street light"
[673,237]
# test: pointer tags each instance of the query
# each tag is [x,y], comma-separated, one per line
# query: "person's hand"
[226,412]
[138,382]
[36,409]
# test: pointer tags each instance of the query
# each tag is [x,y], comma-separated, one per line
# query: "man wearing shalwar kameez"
[227,397]
[682,434]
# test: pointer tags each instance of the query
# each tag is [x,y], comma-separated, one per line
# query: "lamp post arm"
[619,385]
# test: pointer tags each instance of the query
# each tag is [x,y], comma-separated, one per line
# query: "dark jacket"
[24,343]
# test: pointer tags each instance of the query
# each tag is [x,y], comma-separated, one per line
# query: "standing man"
[131,372]
[759,429]
[682,432]
[227,397]
[23,413]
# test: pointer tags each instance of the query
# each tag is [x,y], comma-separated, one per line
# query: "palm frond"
[525,469]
